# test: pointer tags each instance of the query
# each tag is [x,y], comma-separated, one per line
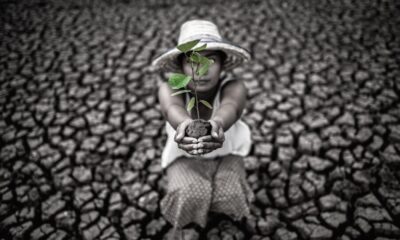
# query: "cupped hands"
[202,145]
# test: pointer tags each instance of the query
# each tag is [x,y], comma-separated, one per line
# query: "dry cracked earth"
[82,134]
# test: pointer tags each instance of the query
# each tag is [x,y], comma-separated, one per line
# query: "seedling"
[199,65]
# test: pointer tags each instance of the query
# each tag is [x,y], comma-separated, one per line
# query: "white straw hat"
[208,33]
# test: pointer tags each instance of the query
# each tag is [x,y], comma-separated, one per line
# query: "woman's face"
[209,80]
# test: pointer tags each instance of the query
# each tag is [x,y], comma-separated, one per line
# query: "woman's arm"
[233,100]
[172,107]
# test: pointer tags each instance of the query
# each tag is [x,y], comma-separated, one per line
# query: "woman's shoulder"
[233,85]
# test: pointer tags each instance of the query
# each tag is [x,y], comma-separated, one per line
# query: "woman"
[206,174]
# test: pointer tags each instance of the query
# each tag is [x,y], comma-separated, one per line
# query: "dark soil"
[198,128]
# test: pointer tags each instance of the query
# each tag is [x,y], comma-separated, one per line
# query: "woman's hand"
[188,144]
[217,131]
[212,142]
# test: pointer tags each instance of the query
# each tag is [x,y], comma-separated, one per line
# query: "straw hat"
[208,33]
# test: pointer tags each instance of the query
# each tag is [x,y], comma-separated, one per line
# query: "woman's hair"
[221,53]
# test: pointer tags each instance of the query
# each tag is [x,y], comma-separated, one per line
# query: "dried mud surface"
[81,132]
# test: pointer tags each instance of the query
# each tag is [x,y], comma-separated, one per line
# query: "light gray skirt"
[199,186]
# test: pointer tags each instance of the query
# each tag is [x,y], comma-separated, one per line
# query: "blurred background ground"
[82,134]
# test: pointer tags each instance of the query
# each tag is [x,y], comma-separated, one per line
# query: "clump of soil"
[198,128]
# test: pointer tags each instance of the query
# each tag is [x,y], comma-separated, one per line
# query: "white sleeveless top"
[237,138]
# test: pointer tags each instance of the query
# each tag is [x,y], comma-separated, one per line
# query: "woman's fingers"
[188,147]
[221,135]
[209,145]
[180,130]
[206,138]
[205,151]
[214,128]
[209,138]
[188,140]
[195,152]
[217,132]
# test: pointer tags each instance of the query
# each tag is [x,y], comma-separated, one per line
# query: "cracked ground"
[82,134]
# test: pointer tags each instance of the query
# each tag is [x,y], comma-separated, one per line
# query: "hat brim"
[235,56]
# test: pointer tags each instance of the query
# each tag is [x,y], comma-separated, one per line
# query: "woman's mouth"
[203,81]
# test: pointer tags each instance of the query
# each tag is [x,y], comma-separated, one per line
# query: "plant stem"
[195,91]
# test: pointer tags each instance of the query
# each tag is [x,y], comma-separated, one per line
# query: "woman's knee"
[232,165]
[195,192]
[190,191]
[228,189]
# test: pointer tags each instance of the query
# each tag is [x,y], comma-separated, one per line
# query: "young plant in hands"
[178,81]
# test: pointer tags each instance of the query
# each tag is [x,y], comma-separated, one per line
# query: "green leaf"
[190,104]
[203,70]
[185,47]
[204,60]
[180,92]
[201,48]
[178,80]
[195,57]
[207,104]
